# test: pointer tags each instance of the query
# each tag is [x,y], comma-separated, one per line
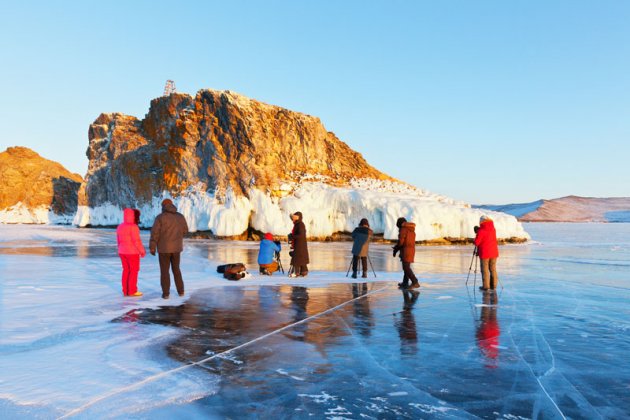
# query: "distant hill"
[569,209]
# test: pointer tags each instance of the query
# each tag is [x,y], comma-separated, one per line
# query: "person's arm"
[155,236]
[135,238]
[402,236]
[276,246]
[299,230]
[479,238]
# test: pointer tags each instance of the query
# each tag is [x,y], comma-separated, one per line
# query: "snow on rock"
[21,214]
[327,210]
[231,163]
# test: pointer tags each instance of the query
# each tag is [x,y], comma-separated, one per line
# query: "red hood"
[129,216]
[488,224]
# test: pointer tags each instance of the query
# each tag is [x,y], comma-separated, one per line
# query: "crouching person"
[361,246]
[266,253]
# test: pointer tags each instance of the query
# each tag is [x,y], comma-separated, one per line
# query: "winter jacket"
[361,237]
[300,249]
[128,236]
[167,233]
[407,242]
[267,250]
[486,240]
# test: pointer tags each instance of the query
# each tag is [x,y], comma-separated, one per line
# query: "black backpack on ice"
[235,271]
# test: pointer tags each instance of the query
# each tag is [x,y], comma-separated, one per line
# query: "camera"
[476,228]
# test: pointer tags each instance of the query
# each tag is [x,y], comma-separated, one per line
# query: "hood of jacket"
[169,208]
[362,229]
[409,225]
[129,216]
[487,224]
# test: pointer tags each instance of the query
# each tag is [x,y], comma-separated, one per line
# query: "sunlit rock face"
[34,189]
[235,165]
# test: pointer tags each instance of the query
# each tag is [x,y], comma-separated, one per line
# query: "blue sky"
[483,101]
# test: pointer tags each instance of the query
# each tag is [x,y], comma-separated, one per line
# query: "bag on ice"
[235,271]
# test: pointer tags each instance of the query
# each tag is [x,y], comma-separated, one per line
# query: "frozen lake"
[552,343]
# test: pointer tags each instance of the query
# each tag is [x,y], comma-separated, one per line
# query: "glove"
[395,251]
[153,252]
[143,253]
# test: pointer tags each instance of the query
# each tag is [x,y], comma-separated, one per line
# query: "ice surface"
[552,343]
[327,210]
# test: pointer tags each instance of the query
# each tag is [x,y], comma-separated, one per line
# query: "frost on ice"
[327,210]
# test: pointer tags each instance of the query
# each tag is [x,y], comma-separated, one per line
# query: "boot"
[415,285]
[354,274]
[364,275]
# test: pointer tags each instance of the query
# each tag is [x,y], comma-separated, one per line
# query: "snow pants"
[408,274]
[130,266]
[271,267]
[170,261]
[489,273]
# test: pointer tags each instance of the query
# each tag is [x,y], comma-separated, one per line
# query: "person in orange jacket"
[130,250]
[406,245]
[488,251]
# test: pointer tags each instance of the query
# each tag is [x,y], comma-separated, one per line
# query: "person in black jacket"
[297,238]
[361,246]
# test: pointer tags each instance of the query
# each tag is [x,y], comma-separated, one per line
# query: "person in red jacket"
[407,246]
[488,251]
[130,250]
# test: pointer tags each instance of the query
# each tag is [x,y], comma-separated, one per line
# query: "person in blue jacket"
[266,255]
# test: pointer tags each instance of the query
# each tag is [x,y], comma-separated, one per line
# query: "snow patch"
[327,210]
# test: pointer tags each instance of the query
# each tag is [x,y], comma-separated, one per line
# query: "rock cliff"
[35,189]
[234,164]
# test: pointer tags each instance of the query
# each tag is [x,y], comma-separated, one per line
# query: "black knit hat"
[364,222]
[400,222]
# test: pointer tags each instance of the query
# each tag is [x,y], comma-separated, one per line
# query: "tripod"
[352,260]
[474,255]
[279,261]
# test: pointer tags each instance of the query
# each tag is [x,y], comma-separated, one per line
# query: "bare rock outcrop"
[234,165]
[35,189]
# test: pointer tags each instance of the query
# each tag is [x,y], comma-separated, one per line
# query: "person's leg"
[303,271]
[273,267]
[355,266]
[405,282]
[177,273]
[125,273]
[365,266]
[485,273]
[165,277]
[494,278]
[134,267]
